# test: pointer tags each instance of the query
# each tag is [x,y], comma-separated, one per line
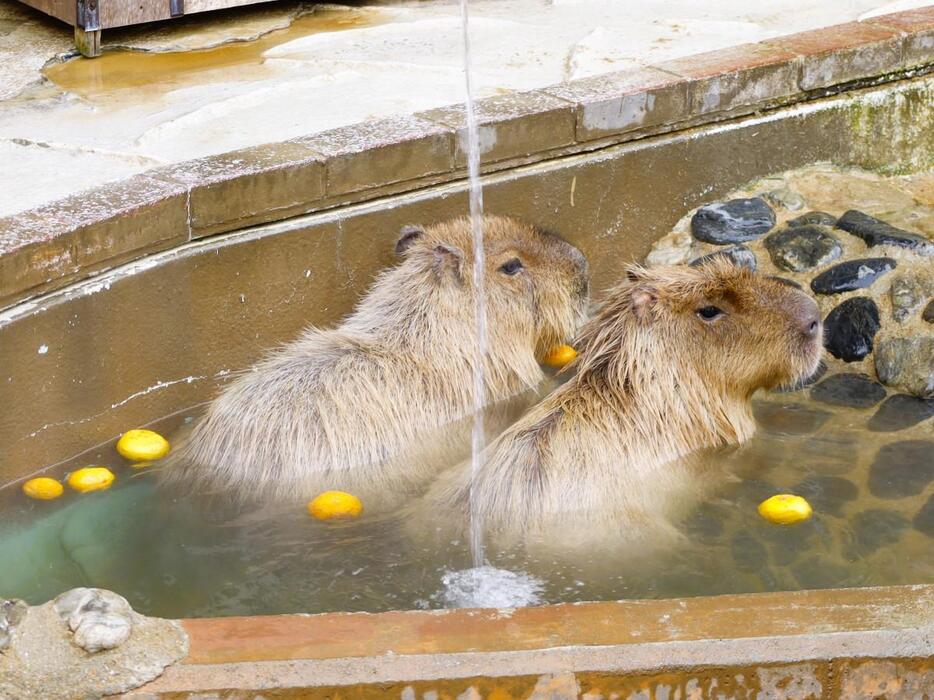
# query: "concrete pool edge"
[836,643]
[46,248]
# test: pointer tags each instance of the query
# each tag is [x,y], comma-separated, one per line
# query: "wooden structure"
[91,17]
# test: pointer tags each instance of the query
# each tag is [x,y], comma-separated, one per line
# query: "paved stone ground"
[294,68]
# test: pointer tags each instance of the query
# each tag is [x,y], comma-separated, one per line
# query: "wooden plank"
[60,9]
[193,6]
[88,42]
[120,13]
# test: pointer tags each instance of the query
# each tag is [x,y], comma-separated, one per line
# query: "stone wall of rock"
[859,242]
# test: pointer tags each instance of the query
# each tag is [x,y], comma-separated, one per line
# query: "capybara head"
[534,281]
[732,329]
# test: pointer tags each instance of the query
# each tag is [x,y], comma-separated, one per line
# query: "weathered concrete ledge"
[50,246]
[85,643]
[851,643]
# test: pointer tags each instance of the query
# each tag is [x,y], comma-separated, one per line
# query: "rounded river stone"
[924,520]
[818,572]
[798,537]
[748,552]
[827,494]
[736,221]
[750,491]
[783,556]
[705,524]
[902,469]
[821,218]
[788,543]
[908,364]
[873,529]
[901,411]
[852,274]
[909,291]
[738,254]
[786,281]
[850,328]
[831,453]
[787,198]
[876,232]
[802,247]
[849,389]
[792,419]
[12,613]
[928,313]
[807,381]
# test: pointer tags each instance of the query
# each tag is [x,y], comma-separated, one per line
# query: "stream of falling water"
[478,436]
[482,586]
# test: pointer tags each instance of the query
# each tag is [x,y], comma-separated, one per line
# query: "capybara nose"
[807,317]
[582,267]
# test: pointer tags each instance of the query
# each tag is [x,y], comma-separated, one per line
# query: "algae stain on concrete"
[890,120]
[156,73]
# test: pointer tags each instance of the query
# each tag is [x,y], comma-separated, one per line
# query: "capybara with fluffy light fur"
[360,407]
[666,370]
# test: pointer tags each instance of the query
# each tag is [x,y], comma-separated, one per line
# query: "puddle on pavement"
[155,73]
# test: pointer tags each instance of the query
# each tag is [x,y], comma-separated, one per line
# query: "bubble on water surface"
[489,587]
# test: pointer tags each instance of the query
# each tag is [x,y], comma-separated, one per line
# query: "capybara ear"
[643,300]
[447,260]
[635,272]
[408,234]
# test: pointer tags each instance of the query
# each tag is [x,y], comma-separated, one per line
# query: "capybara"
[666,370]
[359,408]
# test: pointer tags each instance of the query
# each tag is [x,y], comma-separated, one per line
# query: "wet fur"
[359,407]
[616,450]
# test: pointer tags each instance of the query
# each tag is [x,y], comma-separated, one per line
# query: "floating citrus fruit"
[785,509]
[559,356]
[91,479]
[142,445]
[43,488]
[335,504]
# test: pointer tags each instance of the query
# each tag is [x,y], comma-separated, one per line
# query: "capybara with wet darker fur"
[359,407]
[666,369]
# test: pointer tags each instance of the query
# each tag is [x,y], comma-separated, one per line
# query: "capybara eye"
[511,267]
[709,313]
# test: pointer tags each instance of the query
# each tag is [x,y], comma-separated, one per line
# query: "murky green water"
[174,555]
[868,472]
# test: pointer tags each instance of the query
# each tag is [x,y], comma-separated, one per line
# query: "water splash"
[489,587]
[478,436]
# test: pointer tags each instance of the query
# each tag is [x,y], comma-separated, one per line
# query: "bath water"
[177,555]
[868,473]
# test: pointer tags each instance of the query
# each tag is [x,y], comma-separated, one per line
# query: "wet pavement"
[221,81]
